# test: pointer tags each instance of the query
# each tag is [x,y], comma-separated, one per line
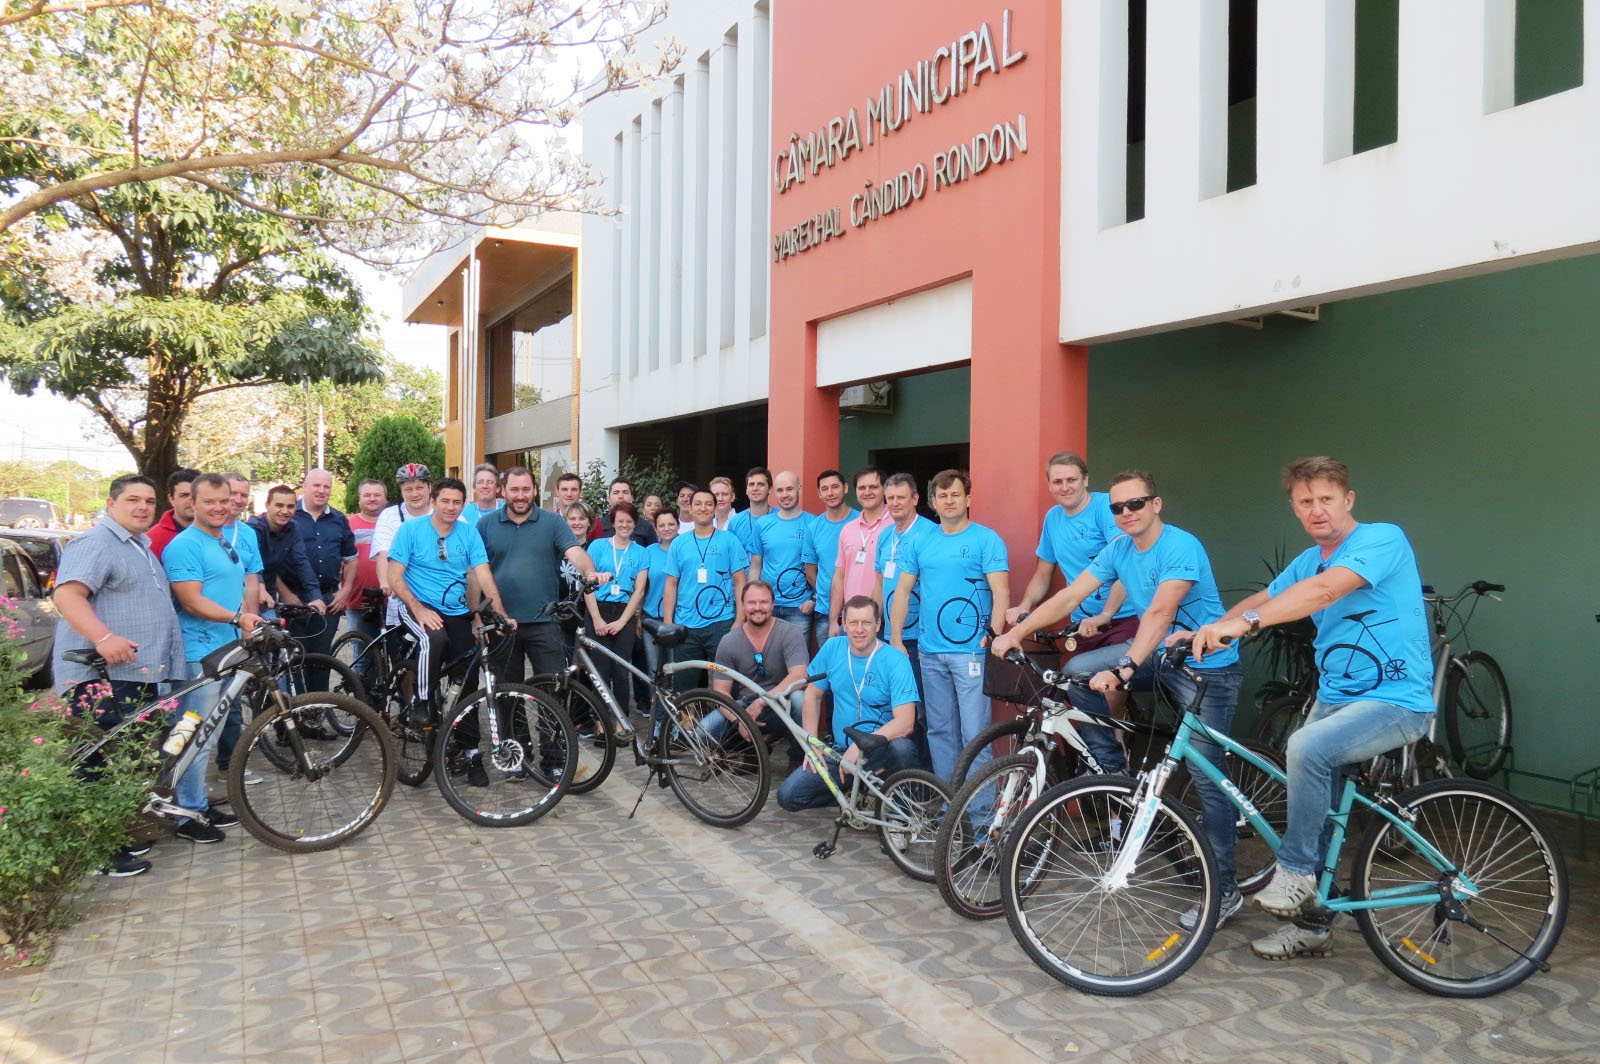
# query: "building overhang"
[508,259]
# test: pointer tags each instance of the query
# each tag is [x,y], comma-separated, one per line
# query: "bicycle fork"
[1148,797]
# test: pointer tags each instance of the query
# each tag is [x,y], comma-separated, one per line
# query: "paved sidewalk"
[590,937]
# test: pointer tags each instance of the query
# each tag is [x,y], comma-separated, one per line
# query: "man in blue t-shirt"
[873,691]
[1168,578]
[961,570]
[1359,585]
[704,581]
[821,553]
[434,562]
[779,539]
[905,526]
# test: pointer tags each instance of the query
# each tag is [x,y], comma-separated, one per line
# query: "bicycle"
[719,782]
[310,798]
[1457,888]
[966,856]
[290,670]
[389,687]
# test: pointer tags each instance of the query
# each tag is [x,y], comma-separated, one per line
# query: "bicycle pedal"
[824,850]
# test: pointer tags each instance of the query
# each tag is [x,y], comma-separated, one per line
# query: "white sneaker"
[1292,940]
[1228,908]
[251,779]
[1288,893]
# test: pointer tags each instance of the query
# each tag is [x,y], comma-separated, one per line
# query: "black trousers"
[534,642]
[621,644]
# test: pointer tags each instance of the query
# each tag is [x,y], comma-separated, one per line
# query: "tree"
[447,111]
[175,294]
[388,445]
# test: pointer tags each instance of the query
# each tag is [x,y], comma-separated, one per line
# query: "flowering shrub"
[58,823]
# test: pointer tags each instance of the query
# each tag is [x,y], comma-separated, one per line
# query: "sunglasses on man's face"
[1132,504]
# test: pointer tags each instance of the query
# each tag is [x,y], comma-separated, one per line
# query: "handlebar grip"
[819,677]
[1427,589]
[1483,587]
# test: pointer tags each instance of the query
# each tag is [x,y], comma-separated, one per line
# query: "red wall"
[1001,227]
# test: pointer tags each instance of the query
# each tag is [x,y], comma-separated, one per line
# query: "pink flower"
[38,738]
[24,772]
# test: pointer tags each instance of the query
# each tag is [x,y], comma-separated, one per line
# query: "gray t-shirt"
[525,559]
[786,648]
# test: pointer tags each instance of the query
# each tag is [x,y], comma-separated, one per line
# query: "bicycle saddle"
[867,742]
[666,635]
[90,658]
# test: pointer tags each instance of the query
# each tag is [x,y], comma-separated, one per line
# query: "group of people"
[893,612]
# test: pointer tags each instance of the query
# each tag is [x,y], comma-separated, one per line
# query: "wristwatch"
[1253,619]
[1126,662]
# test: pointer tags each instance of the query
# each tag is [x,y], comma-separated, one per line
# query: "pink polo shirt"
[858,550]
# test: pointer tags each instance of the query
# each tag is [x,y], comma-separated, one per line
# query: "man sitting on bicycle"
[1356,577]
[430,562]
[872,689]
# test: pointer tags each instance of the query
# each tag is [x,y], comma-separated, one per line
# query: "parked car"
[34,609]
[31,513]
[44,547]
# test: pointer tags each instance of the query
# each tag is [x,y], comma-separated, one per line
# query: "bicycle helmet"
[411,471]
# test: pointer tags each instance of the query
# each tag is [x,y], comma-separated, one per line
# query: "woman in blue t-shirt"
[614,606]
[658,559]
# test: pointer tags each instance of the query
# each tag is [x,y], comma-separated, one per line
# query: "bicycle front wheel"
[1092,933]
[966,853]
[314,793]
[913,806]
[505,763]
[597,744]
[719,774]
[1483,943]
[1007,733]
[1477,714]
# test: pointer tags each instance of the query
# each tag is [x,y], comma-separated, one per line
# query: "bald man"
[778,544]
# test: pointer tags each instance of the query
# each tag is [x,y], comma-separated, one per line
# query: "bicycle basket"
[1017,684]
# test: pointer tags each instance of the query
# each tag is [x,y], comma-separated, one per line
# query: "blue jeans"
[819,624]
[795,616]
[1334,735]
[190,788]
[1103,742]
[919,733]
[716,725]
[956,708]
[804,789]
[356,621]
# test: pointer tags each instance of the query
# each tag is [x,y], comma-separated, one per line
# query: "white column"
[1338,79]
[1097,70]
[1441,67]
[1291,91]
[1186,105]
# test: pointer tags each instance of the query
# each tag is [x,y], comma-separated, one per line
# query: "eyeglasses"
[233,555]
[761,666]
[1131,504]
[444,550]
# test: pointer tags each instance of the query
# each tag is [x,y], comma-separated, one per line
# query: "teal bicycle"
[1456,886]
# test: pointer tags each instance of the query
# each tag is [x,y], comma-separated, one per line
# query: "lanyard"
[895,539]
[704,549]
[616,563]
[851,669]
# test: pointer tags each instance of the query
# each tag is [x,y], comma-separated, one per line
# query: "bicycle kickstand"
[824,850]
[642,790]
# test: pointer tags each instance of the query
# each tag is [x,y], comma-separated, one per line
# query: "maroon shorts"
[1118,631]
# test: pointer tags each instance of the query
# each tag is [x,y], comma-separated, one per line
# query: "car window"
[13,570]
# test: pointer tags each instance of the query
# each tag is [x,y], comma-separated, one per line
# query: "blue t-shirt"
[659,564]
[193,555]
[625,565]
[742,526]
[1175,555]
[780,543]
[439,585]
[891,541]
[720,555]
[242,538]
[882,676]
[1373,643]
[822,550]
[477,512]
[951,572]
[1071,541]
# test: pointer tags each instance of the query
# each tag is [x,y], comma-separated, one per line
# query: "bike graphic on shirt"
[792,584]
[1351,669]
[961,620]
[710,601]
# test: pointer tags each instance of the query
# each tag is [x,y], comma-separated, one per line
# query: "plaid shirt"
[128,591]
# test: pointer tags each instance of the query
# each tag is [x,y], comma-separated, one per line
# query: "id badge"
[701,575]
[888,571]
[974,668]
[861,557]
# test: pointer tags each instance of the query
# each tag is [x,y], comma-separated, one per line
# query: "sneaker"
[124,864]
[250,779]
[221,819]
[476,776]
[1097,844]
[1292,940]
[196,831]
[1229,908]
[417,714]
[1288,893]
[137,848]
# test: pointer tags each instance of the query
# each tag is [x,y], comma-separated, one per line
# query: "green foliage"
[75,488]
[647,478]
[390,443]
[57,823]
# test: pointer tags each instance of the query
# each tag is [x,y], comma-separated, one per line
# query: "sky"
[44,427]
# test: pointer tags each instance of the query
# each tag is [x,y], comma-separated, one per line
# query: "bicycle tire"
[1500,844]
[1126,941]
[1281,718]
[413,742]
[966,858]
[1254,858]
[1016,728]
[910,813]
[354,647]
[1362,670]
[525,774]
[597,742]
[1477,714]
[316,803]
[713,777]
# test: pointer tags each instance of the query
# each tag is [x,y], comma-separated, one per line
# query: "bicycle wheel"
[1090,934]
[1477,714]
[597,742]
[370,664]
[721,778]
[966,853]
[1350,669]
[910,812]
[1520,908]
[1281,718]
[1254,857]
[316,802]
[505,764]
[413,742]
[997,732]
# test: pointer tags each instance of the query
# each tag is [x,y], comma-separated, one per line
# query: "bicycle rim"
[1478,714]
[597,744]
[910,813]
[722,780]
[1503,849]
[1007,733]
[1082,930]
[1254,858]
[316,802]
[413,742]
[509,770]
[972,835]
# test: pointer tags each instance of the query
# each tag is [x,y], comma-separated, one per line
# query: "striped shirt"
[128,591]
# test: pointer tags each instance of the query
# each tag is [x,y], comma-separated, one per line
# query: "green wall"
[929,409]
[1466,411]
